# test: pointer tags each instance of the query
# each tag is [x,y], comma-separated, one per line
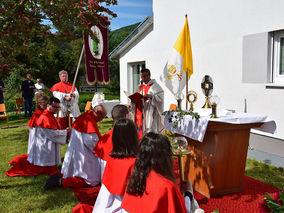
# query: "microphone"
[141,82]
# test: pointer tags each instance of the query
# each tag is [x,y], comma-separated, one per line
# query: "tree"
[25,23]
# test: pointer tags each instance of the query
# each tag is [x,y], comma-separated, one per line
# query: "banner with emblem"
[96,56]
[180,62]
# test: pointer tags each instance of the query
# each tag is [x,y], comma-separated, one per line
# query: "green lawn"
[26,194]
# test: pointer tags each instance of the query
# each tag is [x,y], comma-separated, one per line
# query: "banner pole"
[77,70]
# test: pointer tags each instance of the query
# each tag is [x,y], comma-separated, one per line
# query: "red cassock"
[117,173]
[82,208]
[104,146]
[161,195]
[138,112]
[35,116]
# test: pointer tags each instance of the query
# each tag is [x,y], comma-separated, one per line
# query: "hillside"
[117,36]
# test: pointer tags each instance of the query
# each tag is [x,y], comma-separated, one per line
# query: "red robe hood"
[34,118]
[161,195]
[47,120]
[104,146]
[86,123]
[62,87]
[117,173]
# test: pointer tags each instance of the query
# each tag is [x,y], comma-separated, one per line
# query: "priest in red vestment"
[118,167]
[104,147]
[148,113]
[80,167]
[69,100]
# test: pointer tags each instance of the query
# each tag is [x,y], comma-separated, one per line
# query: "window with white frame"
[134,75]
[278,56]
[263,58]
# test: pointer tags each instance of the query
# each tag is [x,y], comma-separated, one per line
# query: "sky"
[130,12]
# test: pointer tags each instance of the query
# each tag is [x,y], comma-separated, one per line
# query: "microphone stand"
[142,92]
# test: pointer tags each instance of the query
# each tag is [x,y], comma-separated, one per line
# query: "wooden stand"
[217,165]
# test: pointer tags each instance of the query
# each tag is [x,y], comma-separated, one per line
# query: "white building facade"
[239,43]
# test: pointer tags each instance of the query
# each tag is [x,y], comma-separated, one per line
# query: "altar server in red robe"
[21,167]
[45,151]
[152,185]
[104,147]
[41,106]
[118,167]
[80,167]
[68,99]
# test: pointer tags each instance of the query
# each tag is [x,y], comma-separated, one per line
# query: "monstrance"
[207,89]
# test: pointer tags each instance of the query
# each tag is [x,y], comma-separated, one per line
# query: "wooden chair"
[4,115]
[19,105]
[88,106]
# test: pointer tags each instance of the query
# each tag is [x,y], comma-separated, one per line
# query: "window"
[134,75]
[263,58]
[278,56]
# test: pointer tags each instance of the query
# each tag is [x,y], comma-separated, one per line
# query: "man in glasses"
[45,152]
[80,167]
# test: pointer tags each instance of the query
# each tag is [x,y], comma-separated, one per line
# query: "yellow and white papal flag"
[180,62]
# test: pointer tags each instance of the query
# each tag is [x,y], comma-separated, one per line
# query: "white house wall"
[217,29]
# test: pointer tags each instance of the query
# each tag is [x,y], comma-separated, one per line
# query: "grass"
[26,194]
[265,173]
[14,120]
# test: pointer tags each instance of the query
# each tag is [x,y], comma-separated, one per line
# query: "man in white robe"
[45,151]
[149,115]
[80,161]
[68,100]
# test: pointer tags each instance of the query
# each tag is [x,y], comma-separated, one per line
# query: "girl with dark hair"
[118,167]
[152,185]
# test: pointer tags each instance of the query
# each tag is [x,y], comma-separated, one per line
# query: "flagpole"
[186,92]
[79,62]
[186,84]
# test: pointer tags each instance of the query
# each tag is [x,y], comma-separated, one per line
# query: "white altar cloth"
[196,128]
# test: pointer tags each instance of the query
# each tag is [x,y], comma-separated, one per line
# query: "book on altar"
[135,97]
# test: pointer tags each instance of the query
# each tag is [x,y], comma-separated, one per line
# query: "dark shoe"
[53,181]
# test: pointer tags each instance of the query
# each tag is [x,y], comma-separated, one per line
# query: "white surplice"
[45,151]
[80,160]
[32,136]
[73,104]
[107,202]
